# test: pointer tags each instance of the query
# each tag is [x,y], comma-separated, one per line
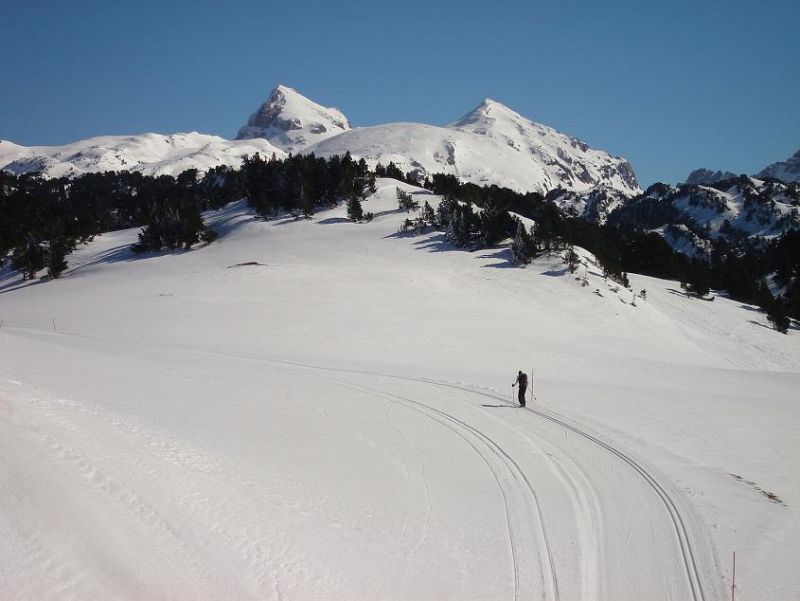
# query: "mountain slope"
[567,161]
[292,122]
[151,154]
[691,216]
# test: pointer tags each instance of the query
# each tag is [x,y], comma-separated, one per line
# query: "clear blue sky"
[669,85]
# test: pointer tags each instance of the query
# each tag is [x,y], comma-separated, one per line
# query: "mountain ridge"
[490,145]
[787,171]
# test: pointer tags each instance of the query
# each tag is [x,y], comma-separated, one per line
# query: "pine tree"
[777,316]
[28,258]
[572,259]
[57,251]
[495,224]
[522,248]
[354,210]
[428,216]
[405,201]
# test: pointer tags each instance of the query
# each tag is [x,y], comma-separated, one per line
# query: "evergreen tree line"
[42,220]
[302,184]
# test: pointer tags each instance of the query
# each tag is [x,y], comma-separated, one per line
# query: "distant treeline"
[43,220]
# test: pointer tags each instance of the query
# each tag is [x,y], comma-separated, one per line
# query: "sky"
[671,86]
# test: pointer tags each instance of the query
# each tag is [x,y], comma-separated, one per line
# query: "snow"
[151,154]
[334,422]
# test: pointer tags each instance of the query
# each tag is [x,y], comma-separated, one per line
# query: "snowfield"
[317,409]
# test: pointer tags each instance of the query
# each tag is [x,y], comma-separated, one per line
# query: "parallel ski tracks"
[679,527]
[460,427]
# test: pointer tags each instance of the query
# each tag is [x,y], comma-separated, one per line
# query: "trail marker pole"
[733,583]
[54,324]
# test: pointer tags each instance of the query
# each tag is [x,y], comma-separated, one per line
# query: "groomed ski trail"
[477,440]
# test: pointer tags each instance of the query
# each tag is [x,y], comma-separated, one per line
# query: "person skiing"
[522,380]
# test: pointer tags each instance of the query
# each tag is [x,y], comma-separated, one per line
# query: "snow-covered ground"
[322,410]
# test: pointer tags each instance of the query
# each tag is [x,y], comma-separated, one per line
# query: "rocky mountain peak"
[292,122]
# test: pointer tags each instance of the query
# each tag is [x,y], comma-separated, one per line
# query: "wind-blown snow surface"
[322,410]
[151,154]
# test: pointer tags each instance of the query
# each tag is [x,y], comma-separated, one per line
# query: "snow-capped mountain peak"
[490,145]
[486,113]
[292,122]
[567,162]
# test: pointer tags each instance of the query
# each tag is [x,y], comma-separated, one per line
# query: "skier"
[522,380]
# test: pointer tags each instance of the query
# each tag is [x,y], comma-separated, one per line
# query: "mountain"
[490,145]
[692,217]
[567,161]
[151,154]
[706,176]
[788,170]
[292,122]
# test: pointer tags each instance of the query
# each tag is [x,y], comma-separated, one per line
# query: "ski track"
[460,428]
